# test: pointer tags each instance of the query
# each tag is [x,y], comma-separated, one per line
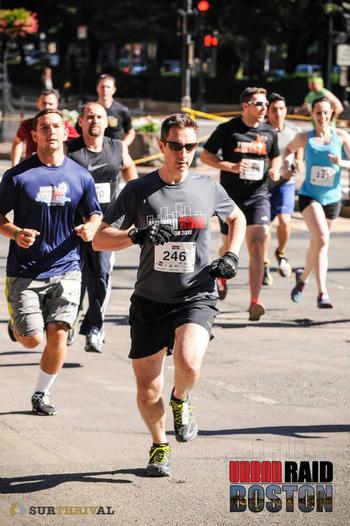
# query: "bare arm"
[88,229]
[345,141]
[274,170]
[24,237]
[336,104]
[129,137]
[110,238]
[129,171]
[297,143]
[16,150]
[216,162]
[236,230]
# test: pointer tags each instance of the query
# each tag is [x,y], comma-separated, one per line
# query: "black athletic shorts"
[257,211]
[331,211]
[153,324]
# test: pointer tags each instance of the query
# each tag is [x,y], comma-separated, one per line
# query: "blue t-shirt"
[322,178]
[46,198]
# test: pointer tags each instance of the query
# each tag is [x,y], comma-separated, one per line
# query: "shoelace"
[159,454]
[181,413]
[41,397]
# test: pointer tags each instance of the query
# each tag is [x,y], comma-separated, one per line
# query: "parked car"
[308,69]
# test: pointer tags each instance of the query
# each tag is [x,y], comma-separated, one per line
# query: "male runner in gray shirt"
[174,303]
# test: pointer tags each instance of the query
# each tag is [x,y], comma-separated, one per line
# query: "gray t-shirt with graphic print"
[177,271]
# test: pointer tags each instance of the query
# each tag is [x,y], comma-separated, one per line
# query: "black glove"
[224,267]
[154,234]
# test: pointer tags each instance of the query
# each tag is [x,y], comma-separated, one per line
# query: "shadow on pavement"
[68,365]
[303,322]
[34,483]
[18,413]
[19,352]
[290,431]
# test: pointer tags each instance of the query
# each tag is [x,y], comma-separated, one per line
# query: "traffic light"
[210,41]
[203,6]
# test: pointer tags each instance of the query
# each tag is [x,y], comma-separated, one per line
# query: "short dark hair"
[321,99]
[247,93]
[46,111]
[86,104]
[47,92]
[107,76]
[275,97]
[177,120]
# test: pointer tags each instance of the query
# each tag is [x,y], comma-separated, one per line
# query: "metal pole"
[329,51]
[185,46]
[201,88]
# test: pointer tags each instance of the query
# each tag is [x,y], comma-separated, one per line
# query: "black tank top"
[104,166]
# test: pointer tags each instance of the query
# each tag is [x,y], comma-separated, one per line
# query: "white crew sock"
[44,382]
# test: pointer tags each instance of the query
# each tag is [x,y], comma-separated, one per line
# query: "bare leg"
[283,231]
[255,237]
[55,350]
[149,374]
[317,255]
[191,342]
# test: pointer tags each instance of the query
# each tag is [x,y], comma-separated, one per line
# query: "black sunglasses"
[177,146]
[259,103]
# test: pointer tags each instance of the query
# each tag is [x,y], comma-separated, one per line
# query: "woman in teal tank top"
[320,194]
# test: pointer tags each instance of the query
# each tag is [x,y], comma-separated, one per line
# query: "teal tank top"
[322,178]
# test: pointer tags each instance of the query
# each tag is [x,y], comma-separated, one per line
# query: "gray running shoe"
[267,277]
[10,332]
[185,425]
[323,301]
[159,461]
[284,267]
[94,342]
[41,404]
[70,337]
[297,293]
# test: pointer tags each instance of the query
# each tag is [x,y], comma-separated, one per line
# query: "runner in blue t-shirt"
[43,265]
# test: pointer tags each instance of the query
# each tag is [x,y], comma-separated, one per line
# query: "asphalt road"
[273,390]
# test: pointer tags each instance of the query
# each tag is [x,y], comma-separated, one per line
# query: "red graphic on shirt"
[258,146]
[191,222]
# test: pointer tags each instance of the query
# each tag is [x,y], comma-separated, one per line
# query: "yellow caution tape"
[210,116]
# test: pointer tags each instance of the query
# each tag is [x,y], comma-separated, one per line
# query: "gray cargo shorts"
[32,304]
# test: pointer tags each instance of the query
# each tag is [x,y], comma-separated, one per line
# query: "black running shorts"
[153,324]
[331,211]
[257,211]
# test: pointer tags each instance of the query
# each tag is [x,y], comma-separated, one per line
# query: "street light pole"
[329,51]
[186,44]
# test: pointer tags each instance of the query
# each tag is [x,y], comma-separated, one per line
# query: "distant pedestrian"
[48,99]
[316,90]
[118,115]
[46,79]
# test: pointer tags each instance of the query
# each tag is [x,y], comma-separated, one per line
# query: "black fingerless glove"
[154,234]
[224,267]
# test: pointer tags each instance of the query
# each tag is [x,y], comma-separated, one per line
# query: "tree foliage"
[246,27]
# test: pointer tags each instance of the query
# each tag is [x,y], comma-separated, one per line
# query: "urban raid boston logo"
[281,486]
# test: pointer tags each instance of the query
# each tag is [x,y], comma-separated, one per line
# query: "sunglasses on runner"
[177,146]
[259,103]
